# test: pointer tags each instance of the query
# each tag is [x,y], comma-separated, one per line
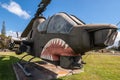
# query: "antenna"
[118,23]
[17,34]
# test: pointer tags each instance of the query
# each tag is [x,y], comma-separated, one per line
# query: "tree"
[4,42]
[3,30]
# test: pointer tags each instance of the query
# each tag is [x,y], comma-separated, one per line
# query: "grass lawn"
[98,67]
[6,71]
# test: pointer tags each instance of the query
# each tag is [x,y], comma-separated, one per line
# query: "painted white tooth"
[57,41]
[42,56]
[63,43]
[60,42]
[51,42]
[45,56]
[42,51]
[48,57]
[48,44]
[45,46]
[54,41]
[66,46]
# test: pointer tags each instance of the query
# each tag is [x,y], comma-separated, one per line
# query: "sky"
[18,13]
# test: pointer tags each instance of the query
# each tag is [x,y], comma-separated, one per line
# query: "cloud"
[15,8]
[13,34]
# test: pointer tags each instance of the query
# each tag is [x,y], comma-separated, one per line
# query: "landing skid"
[24,66]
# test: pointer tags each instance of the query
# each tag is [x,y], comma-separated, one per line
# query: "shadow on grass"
[6,69]
[57,79]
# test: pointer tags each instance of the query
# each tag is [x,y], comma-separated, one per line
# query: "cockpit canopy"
[59,23]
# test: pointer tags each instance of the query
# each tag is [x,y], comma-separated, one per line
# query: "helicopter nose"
[105,36]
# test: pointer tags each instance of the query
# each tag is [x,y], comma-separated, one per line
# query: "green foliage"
[4,41]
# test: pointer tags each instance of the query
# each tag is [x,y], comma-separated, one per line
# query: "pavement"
[43,71]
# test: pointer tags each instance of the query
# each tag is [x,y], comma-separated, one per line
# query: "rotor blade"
[42,6]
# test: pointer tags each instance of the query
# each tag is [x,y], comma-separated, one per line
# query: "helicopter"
[63,39]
